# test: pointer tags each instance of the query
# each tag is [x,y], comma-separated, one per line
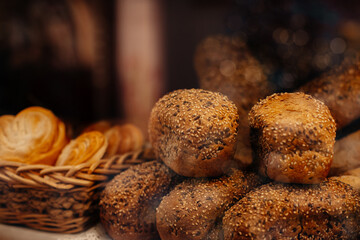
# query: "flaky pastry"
[88,147]
[123,138]
[34,136]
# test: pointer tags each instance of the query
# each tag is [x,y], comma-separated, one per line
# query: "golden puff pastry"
[123,138]
[34,136]
[101,126]
[88,147]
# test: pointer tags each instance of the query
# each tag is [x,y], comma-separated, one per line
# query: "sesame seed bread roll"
[329,210]
[352,180]
[293,137]
[195,207]
[128,202]
[339,89]
[193,131]
[225,64]
[346,154]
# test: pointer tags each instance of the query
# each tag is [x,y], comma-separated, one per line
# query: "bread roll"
[346,154]
[339,89]
[89,147]
[225,64]
[34,136]
[128,202]
[329,210]
[193,131]
[123,138]
[352,180]
[293,137]
[194,208]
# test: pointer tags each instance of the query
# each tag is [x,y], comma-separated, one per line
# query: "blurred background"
[89,60]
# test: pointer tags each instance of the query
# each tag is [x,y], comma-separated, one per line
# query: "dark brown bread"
[194,208]
[225,64]
[193,131]
[128,202]
[339,89]
[329,210]
[293,136]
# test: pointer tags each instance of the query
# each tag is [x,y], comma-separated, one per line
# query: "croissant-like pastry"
[101,126]
[34,136]
[123,138]
[88,147]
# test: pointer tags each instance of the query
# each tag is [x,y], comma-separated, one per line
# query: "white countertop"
[9,232]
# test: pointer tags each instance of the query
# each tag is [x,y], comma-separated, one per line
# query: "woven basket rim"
[86,175]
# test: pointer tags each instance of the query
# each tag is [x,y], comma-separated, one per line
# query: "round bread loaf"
[225,64]
[193,131]
[346,154]
[339,89]
[195,207]
[293,137]
[128,202]
[329,210]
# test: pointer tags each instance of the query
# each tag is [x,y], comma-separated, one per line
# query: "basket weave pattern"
[60,199]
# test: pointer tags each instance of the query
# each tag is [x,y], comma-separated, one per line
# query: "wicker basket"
[61,199]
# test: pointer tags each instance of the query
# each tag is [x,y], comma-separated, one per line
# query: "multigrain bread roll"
[352,180]
[293,136]
[225,64]
[128,202]
[193,131]
[194,208]
[329,210]
[346,154]
[351,177]
[339,89]
[34,136]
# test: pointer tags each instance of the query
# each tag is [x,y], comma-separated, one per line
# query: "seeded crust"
[224,64]
[339,89]
[346,154]
[193,131]
[194,208]
[128,202]
[329,210]
[293,136]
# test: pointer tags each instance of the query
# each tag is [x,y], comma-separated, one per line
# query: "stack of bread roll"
[36,136]
[205,191]
[284,194]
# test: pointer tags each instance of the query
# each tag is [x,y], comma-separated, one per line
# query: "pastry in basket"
[123,138]
[129,200]
[89,147]
[339,89]
[329,210]
[193,131]
[293,136]
[34,136]
[225,64]
[195,207]
[100,126]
